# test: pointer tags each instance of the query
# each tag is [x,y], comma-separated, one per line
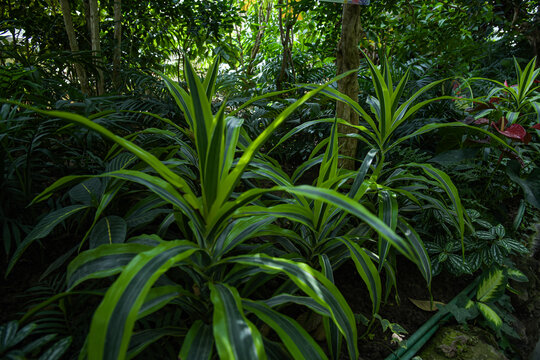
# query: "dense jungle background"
[272,179]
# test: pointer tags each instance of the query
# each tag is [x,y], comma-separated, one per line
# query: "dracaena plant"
[216,264]
[397,188]
[325,235]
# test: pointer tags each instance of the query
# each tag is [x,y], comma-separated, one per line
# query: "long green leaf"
[367,271]
[430,127]
[232,179]
[388,212]
[236,337]
[142,339]
[113,321]
[333,336]
[315,285]
[198,342]
[299,343]
[103,261]
[345,203]
[42,229]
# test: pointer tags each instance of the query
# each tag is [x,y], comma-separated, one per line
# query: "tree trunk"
[348,58]
[117,55]
[263,20]
[96,46]
[74,45]
[286,41]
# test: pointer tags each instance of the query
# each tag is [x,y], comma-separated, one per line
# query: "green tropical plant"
[386,183]
[217,262]
[483,248]
[15,343]
[518,104]
[325,234]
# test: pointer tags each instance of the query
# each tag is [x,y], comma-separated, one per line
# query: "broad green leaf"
[113,321]
[299,343]
[108,230]
[491,286]
[87,192]
[42,229]
[236,337]
[516,275]
[529,184]
[198,343]
[489,314]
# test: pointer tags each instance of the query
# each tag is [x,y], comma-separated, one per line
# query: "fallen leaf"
[427,305]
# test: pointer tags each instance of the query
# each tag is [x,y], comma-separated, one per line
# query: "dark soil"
[378,345]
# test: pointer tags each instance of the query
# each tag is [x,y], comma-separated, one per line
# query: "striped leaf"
[239,231]
[157,298]
[198,343]
[367,271]
[230,182]
[491,286]
[315,285]
[446,183]
[56,351]
[333,336]
[388,212]
[423,261]
[101,262]
[345,203]
[113,321]
[236,337]
[490,315]
[299,343]
[142,339]
[300,300]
